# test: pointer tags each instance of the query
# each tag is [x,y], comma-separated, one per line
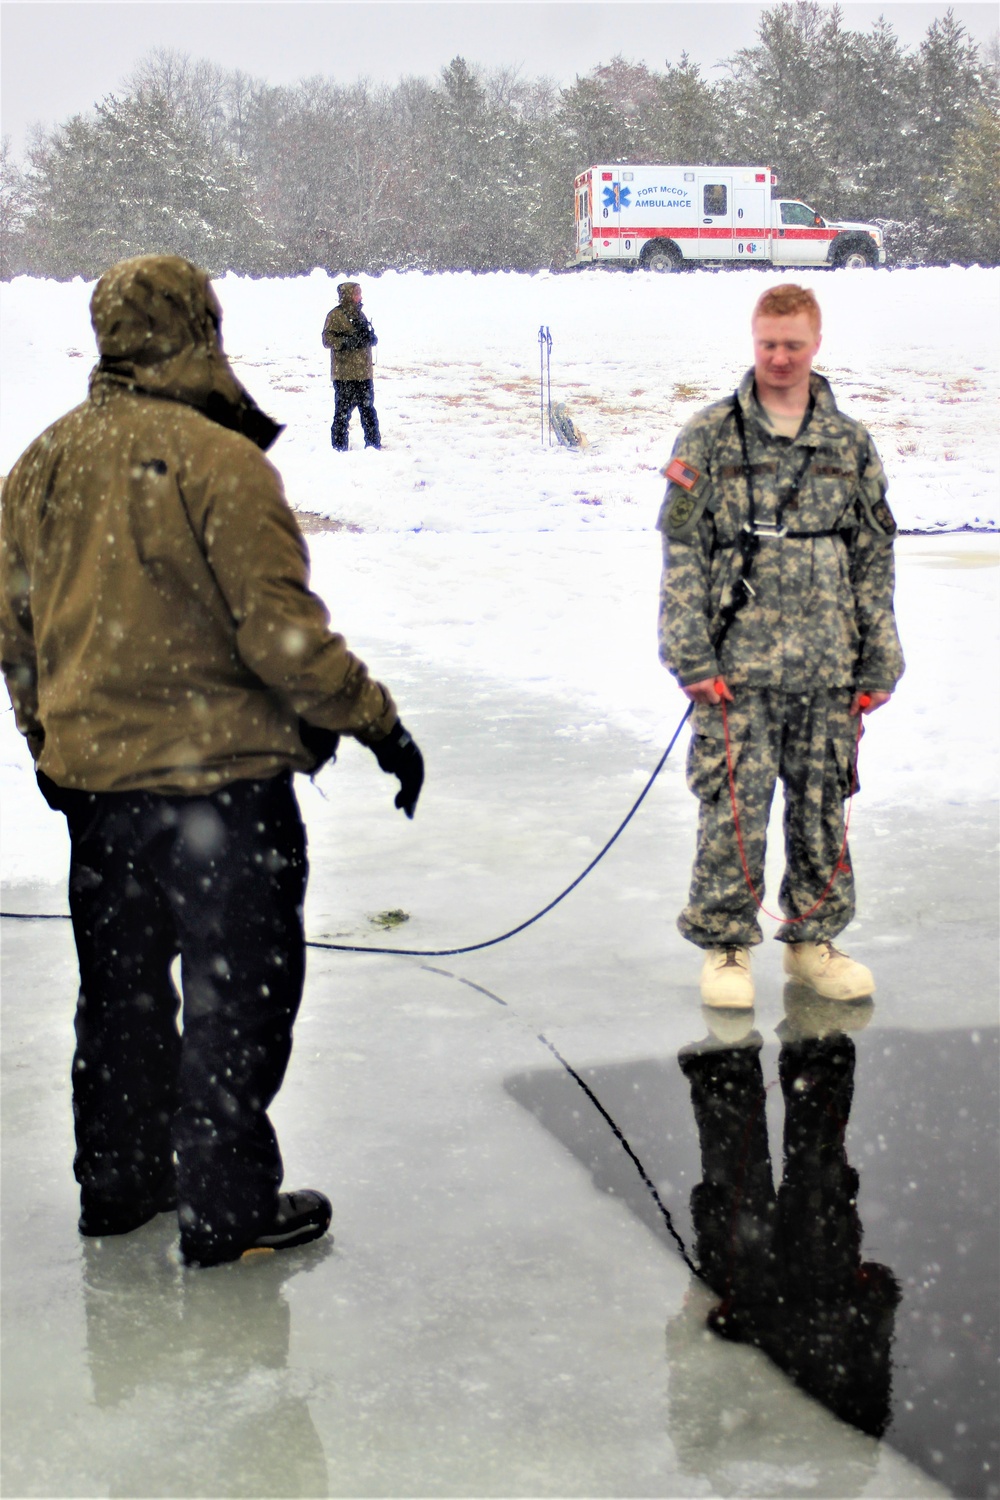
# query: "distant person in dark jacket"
[350,337]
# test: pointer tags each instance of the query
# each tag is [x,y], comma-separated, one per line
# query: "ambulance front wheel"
[856,255]
[661,256]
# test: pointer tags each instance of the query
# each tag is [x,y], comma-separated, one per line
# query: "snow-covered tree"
[479,198]
[946,83]
[137,178]
[969,203]
[12,204]
[474,169]
[689,121]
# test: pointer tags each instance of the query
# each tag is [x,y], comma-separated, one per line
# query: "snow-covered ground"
[487,552]
[911,353]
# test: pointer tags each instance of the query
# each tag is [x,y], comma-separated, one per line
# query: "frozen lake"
[502,1311]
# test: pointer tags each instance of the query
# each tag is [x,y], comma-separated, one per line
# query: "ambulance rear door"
[715,200]
[611,195]
[584,225]
[751,221]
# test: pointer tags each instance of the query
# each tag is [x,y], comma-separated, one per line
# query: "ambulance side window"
[714,198]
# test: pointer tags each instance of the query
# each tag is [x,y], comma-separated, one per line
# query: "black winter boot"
[301,1217]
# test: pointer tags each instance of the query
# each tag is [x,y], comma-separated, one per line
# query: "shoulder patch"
[681,473]
[883,515]
[690,473]
[680,511]
[872,509]
[685,502]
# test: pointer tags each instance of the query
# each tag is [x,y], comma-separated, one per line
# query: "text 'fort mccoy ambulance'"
[665,217]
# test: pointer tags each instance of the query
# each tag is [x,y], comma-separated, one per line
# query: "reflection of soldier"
[788,1265]
[151,1334]
[350,337]
[777,584]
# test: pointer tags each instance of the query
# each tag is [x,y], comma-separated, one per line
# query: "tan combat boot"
[828,971]
[725,979]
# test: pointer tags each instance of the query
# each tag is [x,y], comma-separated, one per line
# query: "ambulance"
[665,218]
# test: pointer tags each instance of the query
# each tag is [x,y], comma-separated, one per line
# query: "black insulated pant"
[349,394]
[220,881]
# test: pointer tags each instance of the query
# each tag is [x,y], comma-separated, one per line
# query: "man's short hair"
[785,301]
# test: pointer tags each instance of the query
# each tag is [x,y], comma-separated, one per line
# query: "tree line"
[473,170]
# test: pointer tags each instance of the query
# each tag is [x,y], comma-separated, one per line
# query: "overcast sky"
[59,59]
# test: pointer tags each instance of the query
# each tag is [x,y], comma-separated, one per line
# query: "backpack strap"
[749,538]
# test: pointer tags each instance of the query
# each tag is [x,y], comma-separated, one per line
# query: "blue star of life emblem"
[617,196]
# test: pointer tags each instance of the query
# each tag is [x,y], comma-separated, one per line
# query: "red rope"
[839,864]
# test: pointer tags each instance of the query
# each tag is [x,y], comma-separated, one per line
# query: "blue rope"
[27,916]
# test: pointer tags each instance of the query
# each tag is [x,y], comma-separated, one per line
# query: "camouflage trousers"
[809,743]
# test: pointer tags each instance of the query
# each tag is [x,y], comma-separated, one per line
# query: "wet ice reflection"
[868,1274]
[208,1353]
[787,1262]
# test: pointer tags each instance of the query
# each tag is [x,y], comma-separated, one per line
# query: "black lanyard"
[748,540]
[783,500]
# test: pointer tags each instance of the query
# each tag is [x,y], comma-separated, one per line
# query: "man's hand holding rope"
[712,690]
[867,703]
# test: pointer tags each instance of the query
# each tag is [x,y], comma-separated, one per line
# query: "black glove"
[363,335]
[399,756]
[348,342]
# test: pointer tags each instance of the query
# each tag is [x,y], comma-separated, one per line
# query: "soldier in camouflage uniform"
[814,636]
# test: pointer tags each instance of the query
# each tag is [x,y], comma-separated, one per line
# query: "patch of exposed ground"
[310,523]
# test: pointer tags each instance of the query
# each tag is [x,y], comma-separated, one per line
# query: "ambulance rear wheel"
[661,258]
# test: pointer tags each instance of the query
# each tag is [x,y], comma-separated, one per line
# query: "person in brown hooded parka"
[350,338]
[170,669]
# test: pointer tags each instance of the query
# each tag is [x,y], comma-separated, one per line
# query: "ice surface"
[576,618]
[491,1318]
[928,1211]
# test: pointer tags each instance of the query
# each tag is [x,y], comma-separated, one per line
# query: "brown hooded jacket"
[157,630]
[349,336]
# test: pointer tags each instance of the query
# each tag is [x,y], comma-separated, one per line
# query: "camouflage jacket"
[820,614]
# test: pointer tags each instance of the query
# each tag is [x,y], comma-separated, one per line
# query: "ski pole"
[541,382]
[545,381]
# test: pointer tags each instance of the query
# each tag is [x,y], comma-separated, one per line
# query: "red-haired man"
[777,597]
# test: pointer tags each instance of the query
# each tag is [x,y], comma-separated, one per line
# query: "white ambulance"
[664,218]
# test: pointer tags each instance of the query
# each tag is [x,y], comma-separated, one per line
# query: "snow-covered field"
[911,353]
[490,553]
